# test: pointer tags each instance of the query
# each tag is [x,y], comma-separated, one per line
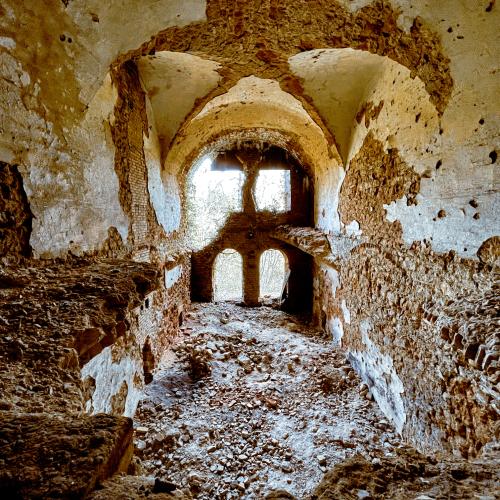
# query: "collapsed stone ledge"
[328,249]
[47,456]
[54,317]
[408,474]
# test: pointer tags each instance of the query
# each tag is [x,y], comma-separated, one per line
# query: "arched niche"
[228,276]
[274,271]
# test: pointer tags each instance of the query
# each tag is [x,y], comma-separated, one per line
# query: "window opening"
[273,273]
[272,190]
[228,276]
[212,195]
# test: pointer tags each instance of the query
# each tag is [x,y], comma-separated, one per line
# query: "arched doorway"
[228,276]
[273,274]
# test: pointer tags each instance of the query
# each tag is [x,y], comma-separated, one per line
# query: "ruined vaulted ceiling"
[81,39]
[345,87]
[299,52]
[173,82]
[253,104]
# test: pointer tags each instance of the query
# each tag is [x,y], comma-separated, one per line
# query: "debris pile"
[260,402]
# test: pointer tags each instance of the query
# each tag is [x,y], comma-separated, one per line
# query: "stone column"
[251,279]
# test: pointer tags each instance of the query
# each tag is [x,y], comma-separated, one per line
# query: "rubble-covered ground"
[261,403]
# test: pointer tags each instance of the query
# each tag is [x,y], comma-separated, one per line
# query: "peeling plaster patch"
[337,330]
[333,277]
[172,276]
[377,371]
[355,5]
[163,193]
[56,181]
[346,312]
[337,79]
[7,42]
[173,197]
[101,187]
[124,26]
[173,82]
[25,79]
[353,229]
[328,187]
[458,230]
[157,191]
[6,153]
[109,378]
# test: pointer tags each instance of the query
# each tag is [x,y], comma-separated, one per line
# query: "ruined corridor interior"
[249,249]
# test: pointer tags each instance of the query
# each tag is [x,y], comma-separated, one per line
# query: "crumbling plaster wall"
[70,184]
[58,130]
[57,107]
[57,319]
[417,174]
[116,376]
[118,372]
[93,182]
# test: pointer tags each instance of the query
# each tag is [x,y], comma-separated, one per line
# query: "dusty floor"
[278,407]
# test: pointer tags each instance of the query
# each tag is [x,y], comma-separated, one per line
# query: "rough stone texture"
[15,214]
[489,251]
[390,105]
[374,178]
[138,488]
[42,454]
[379,301]
[408,475]
[54,318]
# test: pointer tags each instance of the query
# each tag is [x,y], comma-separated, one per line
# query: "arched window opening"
[272,190]
[273,274]
[213,194]
[228,276]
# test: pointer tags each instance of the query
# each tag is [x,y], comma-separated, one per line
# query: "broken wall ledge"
[56,316]
[329,249]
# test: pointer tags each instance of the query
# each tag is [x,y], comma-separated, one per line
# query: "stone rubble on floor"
[263,402]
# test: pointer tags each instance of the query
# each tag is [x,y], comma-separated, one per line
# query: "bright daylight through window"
[212,196]
[272,190]
[273,269]
[228,276]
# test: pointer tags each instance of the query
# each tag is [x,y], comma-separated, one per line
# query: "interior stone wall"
[59,319]
[405,156]
[383,303]
[15,214]
[117,375]
[249,233]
